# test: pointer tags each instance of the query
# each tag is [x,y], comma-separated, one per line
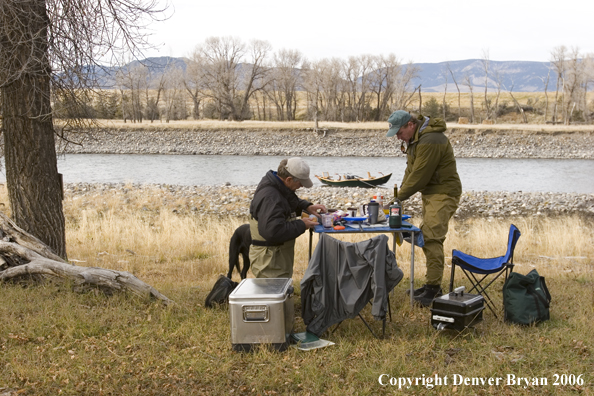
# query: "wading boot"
[426,298]
[416,292]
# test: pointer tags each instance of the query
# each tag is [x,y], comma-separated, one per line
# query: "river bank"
[224,201]
[477,141]
[299,139]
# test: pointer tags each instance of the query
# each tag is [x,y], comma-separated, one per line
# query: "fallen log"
[25,258]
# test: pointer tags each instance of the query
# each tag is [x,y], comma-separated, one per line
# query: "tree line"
[227,79]
[573,75]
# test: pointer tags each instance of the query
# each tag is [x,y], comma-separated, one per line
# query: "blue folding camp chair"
[496,266]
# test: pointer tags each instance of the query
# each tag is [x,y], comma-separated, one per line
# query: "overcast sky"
[419,31]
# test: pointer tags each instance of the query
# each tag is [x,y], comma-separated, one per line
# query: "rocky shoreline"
[467,142]
[224,201]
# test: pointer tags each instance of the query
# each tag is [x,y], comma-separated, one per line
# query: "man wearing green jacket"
[430,169]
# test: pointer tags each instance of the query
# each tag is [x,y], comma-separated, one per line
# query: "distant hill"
[522,75]
[106,76]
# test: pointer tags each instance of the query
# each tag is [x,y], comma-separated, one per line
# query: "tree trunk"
[458,88]
[32,178]
[556,102]
[443,102]
[471,106]
[196,109]
[520,109]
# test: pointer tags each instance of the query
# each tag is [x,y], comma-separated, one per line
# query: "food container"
[261,311]
[338,215]
[457,310]
[327,220]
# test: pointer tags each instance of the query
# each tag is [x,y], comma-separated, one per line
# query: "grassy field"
[54,341]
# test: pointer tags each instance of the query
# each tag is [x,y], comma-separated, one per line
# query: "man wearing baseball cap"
[430,169]
[274,219]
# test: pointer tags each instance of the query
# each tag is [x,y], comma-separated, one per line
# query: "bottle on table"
[395,220]
[379,198]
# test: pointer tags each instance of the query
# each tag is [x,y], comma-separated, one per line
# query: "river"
[478,174]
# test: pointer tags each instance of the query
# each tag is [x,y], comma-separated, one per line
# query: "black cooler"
[457,310]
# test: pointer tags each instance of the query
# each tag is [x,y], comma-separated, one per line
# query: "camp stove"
[457,310]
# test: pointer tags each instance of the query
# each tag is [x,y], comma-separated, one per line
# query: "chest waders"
[271,260]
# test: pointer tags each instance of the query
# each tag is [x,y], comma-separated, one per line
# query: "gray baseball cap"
[299,170]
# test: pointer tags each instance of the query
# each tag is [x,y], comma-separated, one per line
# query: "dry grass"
[240,125]
[213,125]
[159,229]
[53,341]
[195,247]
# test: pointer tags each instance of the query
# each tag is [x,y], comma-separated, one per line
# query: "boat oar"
[371,185]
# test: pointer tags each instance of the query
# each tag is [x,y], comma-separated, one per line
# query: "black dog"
[240,244]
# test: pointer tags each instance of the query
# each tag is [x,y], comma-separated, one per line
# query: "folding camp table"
[359,228]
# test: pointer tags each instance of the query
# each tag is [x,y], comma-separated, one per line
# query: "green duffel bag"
[526,298]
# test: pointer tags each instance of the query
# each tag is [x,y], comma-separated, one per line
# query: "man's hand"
[309,223]
[313,209]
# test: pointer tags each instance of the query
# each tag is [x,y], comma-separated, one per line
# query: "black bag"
[220,292]
[526,298]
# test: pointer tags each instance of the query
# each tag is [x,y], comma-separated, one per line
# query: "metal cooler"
[457,310]
[261,312]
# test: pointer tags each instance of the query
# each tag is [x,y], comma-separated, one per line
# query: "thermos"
[373,210]
[395,220]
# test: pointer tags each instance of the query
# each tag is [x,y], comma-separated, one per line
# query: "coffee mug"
[363,210]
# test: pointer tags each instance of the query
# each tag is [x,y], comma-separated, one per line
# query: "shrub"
[432,109]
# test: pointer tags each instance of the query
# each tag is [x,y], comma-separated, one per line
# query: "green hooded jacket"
[430,162]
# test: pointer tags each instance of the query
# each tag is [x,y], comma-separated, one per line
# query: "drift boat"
[353,181]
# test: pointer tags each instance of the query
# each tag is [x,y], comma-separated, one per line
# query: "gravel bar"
[467,143]
[224,201]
